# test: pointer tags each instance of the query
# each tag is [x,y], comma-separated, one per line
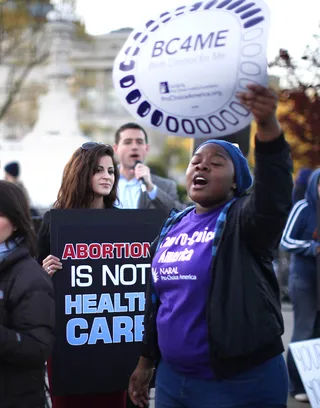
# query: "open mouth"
[199,181]
[134,156]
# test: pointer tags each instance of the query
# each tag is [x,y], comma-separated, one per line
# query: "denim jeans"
[264,386]
[306,323]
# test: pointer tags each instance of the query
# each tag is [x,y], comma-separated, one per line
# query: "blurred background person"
[300,184]
[90,180]
[300,239]
[26,308]
[138,188]
[12,174]
[282,261]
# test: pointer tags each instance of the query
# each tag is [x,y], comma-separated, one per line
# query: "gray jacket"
[167,196]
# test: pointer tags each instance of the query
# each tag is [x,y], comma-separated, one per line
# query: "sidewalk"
[295,404]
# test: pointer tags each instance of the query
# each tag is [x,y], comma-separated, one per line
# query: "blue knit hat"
[243,176]
[13,169]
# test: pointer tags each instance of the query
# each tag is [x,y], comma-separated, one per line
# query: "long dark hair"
[14,206]
[76,190]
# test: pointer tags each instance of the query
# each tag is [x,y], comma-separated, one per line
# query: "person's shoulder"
[46,218]
[164,180]
[30,276]
[46,215]
[300,208]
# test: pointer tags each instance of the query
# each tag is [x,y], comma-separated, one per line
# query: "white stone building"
[99,110]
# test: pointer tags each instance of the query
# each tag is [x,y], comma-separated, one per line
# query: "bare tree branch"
[15,89]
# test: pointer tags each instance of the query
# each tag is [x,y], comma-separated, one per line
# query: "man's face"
[131,147]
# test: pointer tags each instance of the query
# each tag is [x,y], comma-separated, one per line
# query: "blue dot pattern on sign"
[133,96]
[210,4]
[224,4]
[250,13]
[244,8]
[135,53]
[188,126]
[196,6]
[157,118]
[245,11]
[172,124]
[164,15]
[127,81]
[127,67]
[253,22]
[149,23]
[204,129]
[235,4]
[144,109]
[180,10]
[217,123]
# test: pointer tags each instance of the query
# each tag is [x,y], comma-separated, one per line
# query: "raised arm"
[265,213]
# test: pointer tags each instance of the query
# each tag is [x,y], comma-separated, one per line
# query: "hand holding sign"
[262,103]
[51,264]
[181,72]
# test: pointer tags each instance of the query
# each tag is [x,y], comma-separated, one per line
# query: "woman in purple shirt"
[213,321]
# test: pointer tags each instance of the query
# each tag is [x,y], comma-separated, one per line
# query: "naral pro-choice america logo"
[180,73]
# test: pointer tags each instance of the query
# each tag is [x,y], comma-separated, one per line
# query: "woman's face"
[6,228]
[103,179]
[210,177]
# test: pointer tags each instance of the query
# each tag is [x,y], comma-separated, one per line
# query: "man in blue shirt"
[138,188]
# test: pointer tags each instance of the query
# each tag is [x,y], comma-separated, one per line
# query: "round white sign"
[181,72]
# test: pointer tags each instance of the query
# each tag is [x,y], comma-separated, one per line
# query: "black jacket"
[43,238]
[26,330]
[243,308]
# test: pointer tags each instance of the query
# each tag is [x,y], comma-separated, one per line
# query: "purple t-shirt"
[182,277]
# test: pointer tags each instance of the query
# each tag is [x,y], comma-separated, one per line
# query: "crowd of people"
[214,337]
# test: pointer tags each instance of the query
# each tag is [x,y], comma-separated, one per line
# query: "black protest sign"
[100,296]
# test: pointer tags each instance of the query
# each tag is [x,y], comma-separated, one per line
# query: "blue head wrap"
[243,176]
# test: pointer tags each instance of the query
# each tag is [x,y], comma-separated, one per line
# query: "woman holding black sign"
[213,320]
[90,180]
[26,306]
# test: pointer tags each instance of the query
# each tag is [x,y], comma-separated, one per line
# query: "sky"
[293,22]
